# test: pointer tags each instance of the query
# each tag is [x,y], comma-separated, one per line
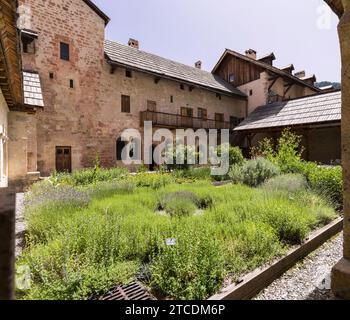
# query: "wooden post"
[7,243]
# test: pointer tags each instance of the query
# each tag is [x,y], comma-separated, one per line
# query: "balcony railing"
[168,120]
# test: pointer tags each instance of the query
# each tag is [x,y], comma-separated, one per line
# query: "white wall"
[3,142]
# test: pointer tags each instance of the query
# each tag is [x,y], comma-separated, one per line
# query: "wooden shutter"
[126,104]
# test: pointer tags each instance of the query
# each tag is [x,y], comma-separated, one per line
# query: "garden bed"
[84,240]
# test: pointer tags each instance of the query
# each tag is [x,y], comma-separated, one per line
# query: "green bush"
[328,182]
[257,171]
[193,269]
[89,176]
[254,244]
[192,174]
[235,154]
[153,180]
[107,189]
[236,174]
[180,207]
[287,182]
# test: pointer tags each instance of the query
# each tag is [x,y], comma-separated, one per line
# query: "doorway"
[64,159]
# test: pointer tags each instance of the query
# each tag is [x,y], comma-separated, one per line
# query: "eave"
[181,81]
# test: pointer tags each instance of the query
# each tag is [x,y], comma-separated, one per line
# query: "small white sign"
[170,242]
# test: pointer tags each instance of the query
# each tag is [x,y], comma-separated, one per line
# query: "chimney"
[250,53]
[300,74]
[198,64]
[133,43]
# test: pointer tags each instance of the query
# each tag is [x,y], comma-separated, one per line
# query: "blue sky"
[189,30]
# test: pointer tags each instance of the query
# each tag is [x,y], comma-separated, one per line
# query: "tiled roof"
[310,110]
[32,89]
[150,63]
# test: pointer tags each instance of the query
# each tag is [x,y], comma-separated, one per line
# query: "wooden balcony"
[176,121]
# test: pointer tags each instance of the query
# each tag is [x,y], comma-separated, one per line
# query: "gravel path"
[20,223]
[310,279]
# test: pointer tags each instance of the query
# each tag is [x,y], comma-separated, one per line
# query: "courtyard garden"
[173,231]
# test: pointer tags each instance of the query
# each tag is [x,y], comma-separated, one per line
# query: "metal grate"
[133,291]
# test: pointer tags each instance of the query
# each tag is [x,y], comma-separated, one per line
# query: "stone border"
[254,282]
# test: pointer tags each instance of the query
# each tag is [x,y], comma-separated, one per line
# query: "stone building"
[94,89]
[87,90]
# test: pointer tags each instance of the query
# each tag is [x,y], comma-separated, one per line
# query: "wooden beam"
[273,83]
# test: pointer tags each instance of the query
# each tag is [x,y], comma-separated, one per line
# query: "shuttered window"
[125,104]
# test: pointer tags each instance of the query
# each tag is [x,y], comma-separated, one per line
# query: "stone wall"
[3,142]
[258,91]
[88,117]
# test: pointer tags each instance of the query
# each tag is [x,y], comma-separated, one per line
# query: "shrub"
[254,243]
[287,182]
[328,182]
[257,171]
[180,207]
[154,180]
[192,174]
[88,176]
[44,194]
[291,223]
[235,154]
[236,174]
[107,189]
[193,269]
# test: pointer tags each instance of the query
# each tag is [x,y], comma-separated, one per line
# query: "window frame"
[125,104]
[64,55]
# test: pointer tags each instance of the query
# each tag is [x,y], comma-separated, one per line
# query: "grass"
[75,251]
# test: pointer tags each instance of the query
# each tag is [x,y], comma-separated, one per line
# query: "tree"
[341,272]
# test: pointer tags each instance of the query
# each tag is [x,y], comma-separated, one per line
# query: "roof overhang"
[242,96]
[336,6]
[315,125]
[10,60]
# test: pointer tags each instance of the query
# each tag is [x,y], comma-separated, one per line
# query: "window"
[51,75]
[128,73]
[71,83]
[202,113]
[250,92]
[120,146]
[171,99]
[64,51]
[28,38]
[134,150]
[125,104]
[219,117]
[28,45]
[231,78]
[218,95]
[187,112]
[182,87]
